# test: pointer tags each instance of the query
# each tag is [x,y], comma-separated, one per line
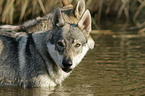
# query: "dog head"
[69,42]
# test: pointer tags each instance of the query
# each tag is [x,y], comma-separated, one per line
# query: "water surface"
[116,66]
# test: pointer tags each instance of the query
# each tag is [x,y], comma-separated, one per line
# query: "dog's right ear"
[79,9]
[57,19]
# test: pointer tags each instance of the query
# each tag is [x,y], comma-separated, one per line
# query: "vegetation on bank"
[127,11]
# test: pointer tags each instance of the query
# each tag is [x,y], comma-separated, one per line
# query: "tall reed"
[17,11]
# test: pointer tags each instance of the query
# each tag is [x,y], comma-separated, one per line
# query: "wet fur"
[35,59]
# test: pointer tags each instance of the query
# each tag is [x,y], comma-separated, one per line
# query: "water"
[116,66]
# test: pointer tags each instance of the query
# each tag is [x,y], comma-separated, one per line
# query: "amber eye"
[78,45]
[60,44]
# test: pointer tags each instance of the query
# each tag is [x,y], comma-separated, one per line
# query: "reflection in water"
[116,66]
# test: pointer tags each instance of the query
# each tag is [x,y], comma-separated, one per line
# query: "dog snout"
[67,63]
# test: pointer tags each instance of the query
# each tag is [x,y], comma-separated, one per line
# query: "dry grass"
[131,10]
[17,11]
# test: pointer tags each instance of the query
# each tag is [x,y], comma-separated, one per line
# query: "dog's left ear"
[85,22]
[85,25]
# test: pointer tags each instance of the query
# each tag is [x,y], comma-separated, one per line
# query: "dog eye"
[60,44]
[78,45]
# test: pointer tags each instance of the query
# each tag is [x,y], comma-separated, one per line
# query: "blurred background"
[105,13]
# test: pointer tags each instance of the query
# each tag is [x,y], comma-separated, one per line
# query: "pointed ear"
[85,22]
[90,42]
[79,9]
[57,19]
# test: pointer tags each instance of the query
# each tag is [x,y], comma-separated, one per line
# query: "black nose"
[67,63]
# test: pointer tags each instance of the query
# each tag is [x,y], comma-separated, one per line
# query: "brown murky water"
[116,66]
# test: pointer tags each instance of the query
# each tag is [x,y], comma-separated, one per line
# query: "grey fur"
[73,15]
[45,58]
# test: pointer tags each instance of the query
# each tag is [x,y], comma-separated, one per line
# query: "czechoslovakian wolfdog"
[48,55]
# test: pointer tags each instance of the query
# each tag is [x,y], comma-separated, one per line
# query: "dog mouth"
[66,69]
